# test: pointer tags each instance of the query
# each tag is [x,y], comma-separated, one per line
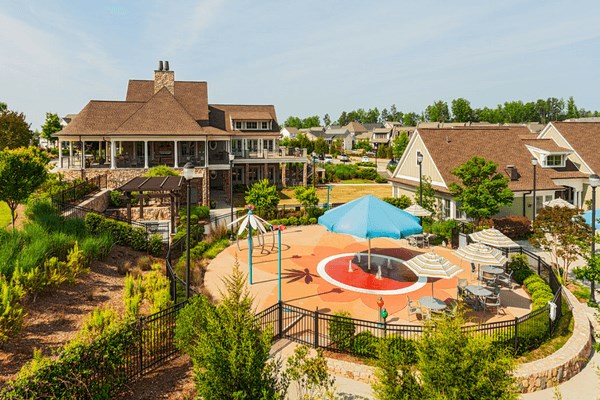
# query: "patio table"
[479,292]
[432,303]
[490,269]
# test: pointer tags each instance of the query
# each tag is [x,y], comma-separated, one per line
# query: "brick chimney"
[164,78]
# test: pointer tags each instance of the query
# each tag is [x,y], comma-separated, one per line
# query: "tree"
[385,115]
[263,196]
[572,111]
[294,122]
[461,110]
[22,171]
[310,374]
[372,116]
[399,144]
[14,130]
[437,112]
[307,196]
[229,350]
[3,107]
[410,119]
[343,119]
[326,120]
[591,271]
[321,145]
[363,144]
[51,126]
[482,190]
[309,122]
[452,364]
[564,234]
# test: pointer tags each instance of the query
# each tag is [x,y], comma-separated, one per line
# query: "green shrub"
[284,221]
[293,221]
[380,179]
[115,199]
[315,212]
[97,247]
[11,310]
[542,294]
[121,232]
[198,250]
[312,221]
[216,248]
[519,264]
[303,220]
[365,344]
[341,330]
[401,202]
[531,279]
[161,170]
[405,346]
[536,286]
[365,164]
[367,173]
[155,245]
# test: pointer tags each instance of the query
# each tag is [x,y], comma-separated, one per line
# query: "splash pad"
[387,276]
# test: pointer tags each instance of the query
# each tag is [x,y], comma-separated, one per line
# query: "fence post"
[280,320]
[516,333]
[539,265]
[385,327]
[316,330]
[140,324]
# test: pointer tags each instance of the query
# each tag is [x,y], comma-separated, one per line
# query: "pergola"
[158,187]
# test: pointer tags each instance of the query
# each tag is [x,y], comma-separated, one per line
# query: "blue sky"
[305,57]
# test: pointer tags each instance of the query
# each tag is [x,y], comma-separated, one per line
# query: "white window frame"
[447,208]
[238,125]
[554,165]
[249,126]
[264,125]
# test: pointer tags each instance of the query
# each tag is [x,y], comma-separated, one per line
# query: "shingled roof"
[452,147]
[584,137]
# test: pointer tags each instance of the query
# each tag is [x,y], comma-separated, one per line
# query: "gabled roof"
[100,117]
[291,129]
[452,147]
[584,137]
[222,115]
[193,96]
[548,145]
[356,127]
[161,114]
[371,126]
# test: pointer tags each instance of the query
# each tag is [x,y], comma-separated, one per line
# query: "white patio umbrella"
[433,265]
[479,253]
[493,237]
[418,211]
[558,203]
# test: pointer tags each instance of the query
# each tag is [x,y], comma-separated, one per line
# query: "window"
[251,125]
[554,160]
[238,124]
[268,144]
[265,125]
[253,144]
[447,204]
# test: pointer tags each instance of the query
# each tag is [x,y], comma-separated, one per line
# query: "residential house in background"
[169,122]
[560,170]
[289,132]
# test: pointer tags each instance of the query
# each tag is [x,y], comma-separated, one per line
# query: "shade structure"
[588,217]
[479,253]
[433,265]
[418,211]
[493,237]
[558,203]
[369,217]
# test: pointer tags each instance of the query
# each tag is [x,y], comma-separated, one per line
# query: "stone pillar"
[283,175]
[146,154]
[60,153]
[266,171]
[305,173]
[205,187]
[175,155]
[106,155]
[113,159]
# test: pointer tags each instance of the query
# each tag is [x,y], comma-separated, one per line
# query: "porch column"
[70,153]
[206,152]
[113,158]
[83,154]
[283,175]
[305,173]
[99,151]
[176,165]
[106,151]
[146,154]
[60,153]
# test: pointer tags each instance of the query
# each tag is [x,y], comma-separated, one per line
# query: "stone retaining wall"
[567,362]
[99,202]
[561,366]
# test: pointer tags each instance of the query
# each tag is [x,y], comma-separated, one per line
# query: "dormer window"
[238,124]
[252,125]
[554,160]
[264,125]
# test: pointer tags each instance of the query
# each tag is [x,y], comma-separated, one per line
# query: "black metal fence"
[80,190]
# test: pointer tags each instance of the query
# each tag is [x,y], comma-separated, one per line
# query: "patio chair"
[492,303]
[488,279]
[412,241]
[426,240]
[505,279]
[451,310]
[414,308]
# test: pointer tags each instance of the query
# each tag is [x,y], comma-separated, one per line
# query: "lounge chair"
[505,279]
[414,308]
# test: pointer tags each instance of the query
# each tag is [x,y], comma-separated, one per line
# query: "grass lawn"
[362,181]
[561,334]
[341,193]
[4,215]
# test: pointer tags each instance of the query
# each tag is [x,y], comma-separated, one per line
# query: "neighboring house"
[381,136]
[289,132]
[358,131]
[344,134]
[558,173]
[169,122]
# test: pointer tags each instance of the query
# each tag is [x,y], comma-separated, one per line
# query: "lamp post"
[534,162]
[328,190]
[594,181]
[380,304]
[279,228]
[231,158]
[188,174]
[314,173]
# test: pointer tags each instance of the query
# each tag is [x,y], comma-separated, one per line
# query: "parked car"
[344,158]
[321,157]
[364,159]
[328,159]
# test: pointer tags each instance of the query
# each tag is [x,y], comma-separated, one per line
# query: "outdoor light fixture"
[534,162]
[380,304]
[231,158]
[188,174]
[420,163]
[594,182]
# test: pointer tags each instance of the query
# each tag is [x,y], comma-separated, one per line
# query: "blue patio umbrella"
[369,217]
[588,217]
